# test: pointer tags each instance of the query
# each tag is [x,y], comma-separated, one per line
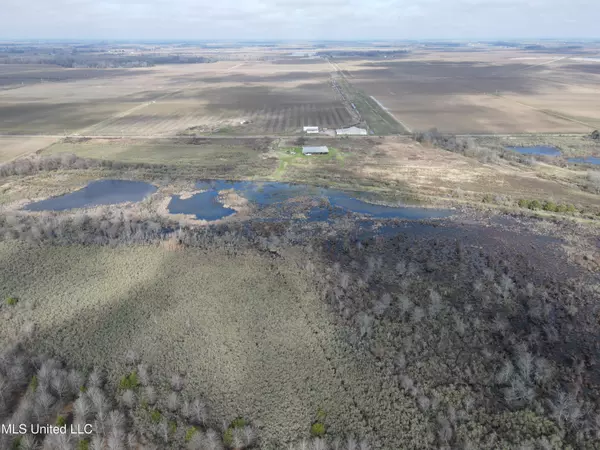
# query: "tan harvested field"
[15,147]
[214,97]
[484,92]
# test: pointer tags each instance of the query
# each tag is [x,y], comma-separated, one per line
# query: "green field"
[161,152]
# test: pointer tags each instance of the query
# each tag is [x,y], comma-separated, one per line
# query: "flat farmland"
[483,92]
[15,147]
[258,97]
[223,157]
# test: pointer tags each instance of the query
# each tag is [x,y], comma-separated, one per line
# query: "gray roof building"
[322,150]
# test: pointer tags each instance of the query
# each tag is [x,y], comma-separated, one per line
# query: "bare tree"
[177,382]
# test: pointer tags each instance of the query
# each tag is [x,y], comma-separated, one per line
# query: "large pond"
[543,150]
[206,205]
[101,192]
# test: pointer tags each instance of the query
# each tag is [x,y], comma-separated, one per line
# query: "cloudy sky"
[298,19]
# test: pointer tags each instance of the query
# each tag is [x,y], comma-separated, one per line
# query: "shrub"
[172,427]
[155,416]
[83,445]
[16,445]
[534,205]
[12,301]
[33,384]
[228,437]
[189,434]
[550,206]
[561,208]
[317,429]
[61,421]
[523,203]
[129,381]
[488,198]
[237,424]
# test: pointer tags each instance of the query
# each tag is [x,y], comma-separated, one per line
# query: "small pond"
[587,160]
[206,205]
[101,192]
[543,150]
[206,202]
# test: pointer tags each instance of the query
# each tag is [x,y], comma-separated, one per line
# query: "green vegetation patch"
[289,156]
[548,205]
[12,301]
[155,416]
[318,427]
[129,381]
[238,423]
[189,434]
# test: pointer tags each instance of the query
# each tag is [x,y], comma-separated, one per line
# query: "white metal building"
[354,131]
[311,130]
[322,150]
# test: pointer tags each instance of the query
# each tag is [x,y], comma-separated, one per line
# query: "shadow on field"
[235,326]
[54,75]
[442,77]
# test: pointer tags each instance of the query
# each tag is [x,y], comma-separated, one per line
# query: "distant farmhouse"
[322,150]
[352,131]
[311,130]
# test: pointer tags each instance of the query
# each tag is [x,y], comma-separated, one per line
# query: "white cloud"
[303,19]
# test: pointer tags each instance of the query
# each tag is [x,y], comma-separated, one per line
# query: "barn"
[311,130]
[322,150]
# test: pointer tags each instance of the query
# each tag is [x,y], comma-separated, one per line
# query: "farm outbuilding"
[322,150]
[311,130]
[354,131]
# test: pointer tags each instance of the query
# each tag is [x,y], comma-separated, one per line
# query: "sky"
[298,19]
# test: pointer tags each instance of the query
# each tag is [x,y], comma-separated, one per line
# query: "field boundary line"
[405,126]
[235,67]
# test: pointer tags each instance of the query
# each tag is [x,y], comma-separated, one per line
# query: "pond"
[543,150]
[206,205]
[587,160]
[101,192]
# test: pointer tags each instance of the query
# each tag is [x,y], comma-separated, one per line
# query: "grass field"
[15,147]
[260,345]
